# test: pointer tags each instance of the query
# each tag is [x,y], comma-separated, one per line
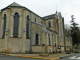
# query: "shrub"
[68,52]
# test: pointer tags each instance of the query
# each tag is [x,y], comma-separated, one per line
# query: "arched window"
[49,39]
[27,27]
[37,39]
[4,25]
[16,25]
[49,24]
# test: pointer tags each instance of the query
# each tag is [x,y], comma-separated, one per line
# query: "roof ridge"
[49,15]
[15,4]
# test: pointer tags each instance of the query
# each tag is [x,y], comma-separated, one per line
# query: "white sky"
[48,7]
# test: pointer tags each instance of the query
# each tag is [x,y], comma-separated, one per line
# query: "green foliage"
[79,51]
[75,35]
[68,52]
[43,53]
[75,32]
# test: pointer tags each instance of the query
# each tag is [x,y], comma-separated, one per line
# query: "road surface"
[5,57]
[72,57]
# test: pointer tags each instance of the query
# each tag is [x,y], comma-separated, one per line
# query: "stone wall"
[37,49]
[14,45]
[2,43]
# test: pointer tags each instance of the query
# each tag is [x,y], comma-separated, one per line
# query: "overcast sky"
[48,7]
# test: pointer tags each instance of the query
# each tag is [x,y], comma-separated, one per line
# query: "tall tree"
[74,31]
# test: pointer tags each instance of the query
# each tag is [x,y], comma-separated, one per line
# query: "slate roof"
[14,4]
[49,17]
[52,31]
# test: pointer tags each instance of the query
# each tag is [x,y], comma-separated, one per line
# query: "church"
[22,31]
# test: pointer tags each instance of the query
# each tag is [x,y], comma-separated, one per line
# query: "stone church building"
[22,30]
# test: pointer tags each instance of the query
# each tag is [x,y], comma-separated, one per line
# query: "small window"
[49,24]
[35,19]
[37,39]
[49,39]
[27,27]
[41,22]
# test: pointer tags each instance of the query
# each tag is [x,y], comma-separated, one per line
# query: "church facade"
[21,31]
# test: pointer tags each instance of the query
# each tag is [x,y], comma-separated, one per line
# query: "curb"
[30,56]
[34,57]
[63,57]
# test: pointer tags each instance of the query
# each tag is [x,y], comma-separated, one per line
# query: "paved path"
[72,57]
[5,57]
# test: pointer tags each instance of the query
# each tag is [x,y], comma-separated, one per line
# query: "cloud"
[47,7]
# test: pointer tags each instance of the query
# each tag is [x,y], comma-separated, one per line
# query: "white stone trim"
[51,37]
[2,28]
[12,25]
[16,12]
[47,39]
[34,39]
[19,27]
[39,40]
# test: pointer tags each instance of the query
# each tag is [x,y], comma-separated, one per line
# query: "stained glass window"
[4,25]
[16,25]
[27,27]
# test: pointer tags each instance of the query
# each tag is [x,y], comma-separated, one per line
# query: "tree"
[75,32]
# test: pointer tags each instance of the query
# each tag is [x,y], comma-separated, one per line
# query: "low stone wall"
[2,44]
[14,45]
[37,49]
[48,49]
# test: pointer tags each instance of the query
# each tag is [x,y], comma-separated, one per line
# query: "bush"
[28,52]
[59,51]
[43,53]
[76,51]
[68,52]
